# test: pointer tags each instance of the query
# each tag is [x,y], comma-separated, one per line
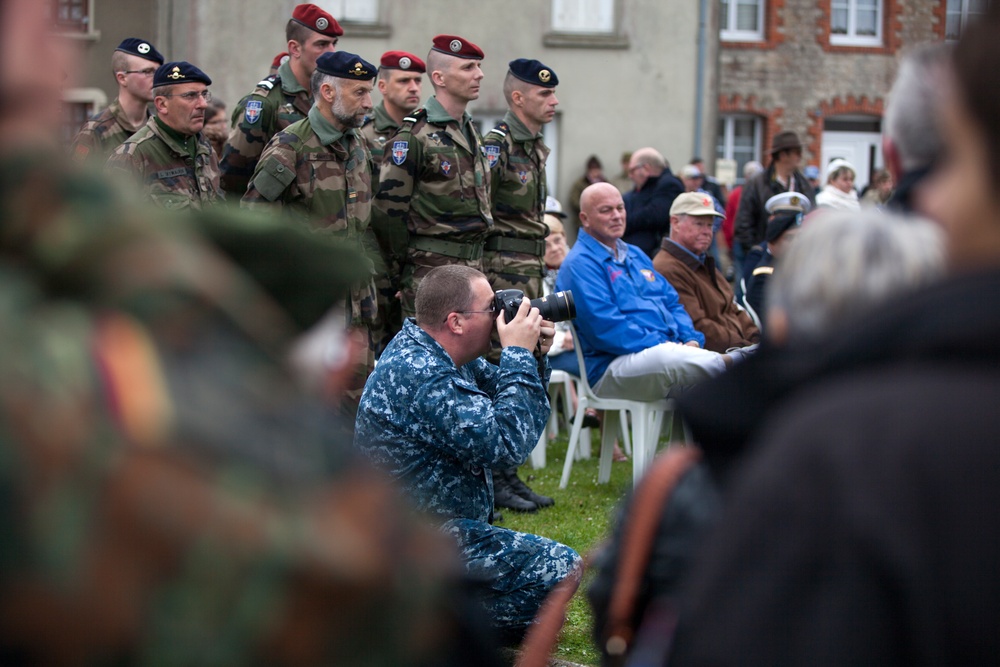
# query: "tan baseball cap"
[693,203]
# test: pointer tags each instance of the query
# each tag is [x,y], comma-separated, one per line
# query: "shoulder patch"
[492,153]
[253,111]
[399,151]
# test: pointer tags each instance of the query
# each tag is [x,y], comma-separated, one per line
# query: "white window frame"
[352,11]
[963,19]
[851,38]
[735,35]
[91,33]
[728,131]
[570,16]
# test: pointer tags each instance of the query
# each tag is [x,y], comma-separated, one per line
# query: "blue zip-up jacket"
[623,305]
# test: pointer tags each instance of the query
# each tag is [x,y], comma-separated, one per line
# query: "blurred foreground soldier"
[318,171]
[900,409]
[280,99]
[913,143]
[438,417]
[400,76]
[171,160]
[133,63]
[433,206]
[687,265]
[169,495]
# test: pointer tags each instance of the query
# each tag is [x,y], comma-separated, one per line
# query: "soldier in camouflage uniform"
[318,170]
[170,158]
[437,417]
[134,62]
[399,82]
[280,99]
[432,206]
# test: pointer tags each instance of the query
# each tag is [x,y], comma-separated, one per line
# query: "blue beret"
[533,72]
[179,72]
[346,66]
[141,48]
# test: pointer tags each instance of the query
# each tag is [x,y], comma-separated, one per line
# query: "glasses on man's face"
[491,310]
[150,71]
[192,96]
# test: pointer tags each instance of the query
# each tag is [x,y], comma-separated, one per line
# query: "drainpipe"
[699,112]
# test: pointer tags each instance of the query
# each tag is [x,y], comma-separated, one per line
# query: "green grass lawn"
[581,519]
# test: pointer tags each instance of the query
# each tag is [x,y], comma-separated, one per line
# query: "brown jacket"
[707,298]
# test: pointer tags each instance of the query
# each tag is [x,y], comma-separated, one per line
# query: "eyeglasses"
[491,310]
[192,96]
[145,72]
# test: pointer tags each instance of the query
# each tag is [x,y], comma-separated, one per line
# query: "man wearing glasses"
[438,417]
[648,206]
[169,157]
[134,62]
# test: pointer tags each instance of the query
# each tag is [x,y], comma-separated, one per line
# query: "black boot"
[504,496]
[518,486]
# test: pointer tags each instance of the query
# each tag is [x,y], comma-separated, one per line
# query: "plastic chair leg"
[607,446]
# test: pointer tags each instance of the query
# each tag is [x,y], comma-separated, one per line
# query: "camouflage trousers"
[511,572]
[510,270]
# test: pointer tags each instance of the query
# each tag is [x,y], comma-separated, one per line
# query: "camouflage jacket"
[321,177]
[377,130]
[102,134]
[518,187]
[167,172]
[433,183]
[276,102]
[439,430]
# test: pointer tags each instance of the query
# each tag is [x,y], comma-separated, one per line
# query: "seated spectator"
[879,191]
[839,192]
[438,417]
[648,206]
[638,341]
[684,261]
[787,210]
[693,179]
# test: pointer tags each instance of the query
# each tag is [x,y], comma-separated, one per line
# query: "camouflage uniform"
[438,430]
[513,255]
[432,207]
[130,535]
[173,173]
[377,131]
[276,102]
[102,134]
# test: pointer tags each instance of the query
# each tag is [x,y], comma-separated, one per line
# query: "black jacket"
[751,217]
[647,211]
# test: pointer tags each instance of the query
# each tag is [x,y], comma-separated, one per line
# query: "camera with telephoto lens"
[557,307]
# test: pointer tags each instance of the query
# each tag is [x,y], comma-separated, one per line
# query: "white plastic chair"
[560,383]
[647,419]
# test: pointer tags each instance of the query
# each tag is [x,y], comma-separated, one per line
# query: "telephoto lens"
[557,307]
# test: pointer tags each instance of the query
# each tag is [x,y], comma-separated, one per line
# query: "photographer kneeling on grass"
[438,417]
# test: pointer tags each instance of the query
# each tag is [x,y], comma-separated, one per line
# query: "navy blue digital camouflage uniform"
[438,430]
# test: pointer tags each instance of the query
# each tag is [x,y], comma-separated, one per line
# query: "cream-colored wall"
[610,99]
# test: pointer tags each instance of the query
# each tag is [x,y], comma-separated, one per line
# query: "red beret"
[316,19]
[402,60]
[278,59]
[456,46]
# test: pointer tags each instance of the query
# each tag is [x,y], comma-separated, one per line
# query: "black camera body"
[557,307]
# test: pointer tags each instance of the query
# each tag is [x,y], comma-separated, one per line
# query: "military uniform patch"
[399,151]
[492,155]
[523,176]
[252,113]
[446,167]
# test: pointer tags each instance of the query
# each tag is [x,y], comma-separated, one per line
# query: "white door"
[862,149]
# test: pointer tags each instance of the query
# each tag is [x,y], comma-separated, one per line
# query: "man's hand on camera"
[523,330]
[546,333]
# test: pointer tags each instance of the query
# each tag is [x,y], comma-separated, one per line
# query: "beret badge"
[455,45]
[175,74]
[322,23]
[545,76]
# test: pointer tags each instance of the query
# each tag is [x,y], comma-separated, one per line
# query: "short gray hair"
[843,264]
[910,118]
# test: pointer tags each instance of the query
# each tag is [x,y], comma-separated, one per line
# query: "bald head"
[646,163]
[595,192]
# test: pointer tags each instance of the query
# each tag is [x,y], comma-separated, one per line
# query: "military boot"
[518,486]
[504,496]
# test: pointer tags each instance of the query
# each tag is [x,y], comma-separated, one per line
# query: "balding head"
[602,213]
[646,163]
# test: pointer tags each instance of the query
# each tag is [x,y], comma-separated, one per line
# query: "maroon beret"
[402,60]
[279,59]
[316,19]
[457,46]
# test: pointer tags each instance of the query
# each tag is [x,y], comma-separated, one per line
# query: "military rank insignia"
[399,151]
[445,167]
[252,113]
[492,155]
